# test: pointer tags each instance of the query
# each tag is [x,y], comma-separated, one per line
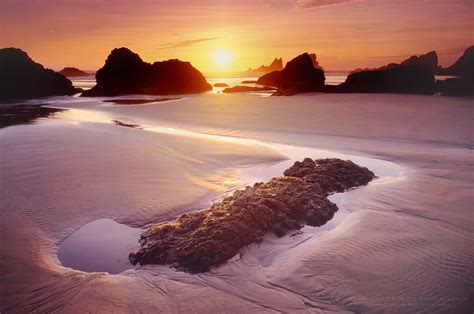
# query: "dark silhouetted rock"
[221,85]
[276,65]
[460,86]
[21,77]
[240,89]
[397,79]
[464,66]
[125,72]
[298,76]
[197,241]
[73,72]
[315,61]
[249,82]
[428,61]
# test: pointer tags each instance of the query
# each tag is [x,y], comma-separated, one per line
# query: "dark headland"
[124,72]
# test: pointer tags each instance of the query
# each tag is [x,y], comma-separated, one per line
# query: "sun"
[222,58]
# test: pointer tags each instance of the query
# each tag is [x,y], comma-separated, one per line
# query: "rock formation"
[463,67]
[428,61]
[197,241]
[459,86]
[21,77]
[315,61]
[241,89]
[73,72]
[399,79]
[276,65]
[298,76]
[414,75]
[125,72]
[463,85]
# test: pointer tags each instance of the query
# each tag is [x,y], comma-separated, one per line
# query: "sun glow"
[222,58]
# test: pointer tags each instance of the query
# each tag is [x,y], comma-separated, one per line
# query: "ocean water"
[332,78]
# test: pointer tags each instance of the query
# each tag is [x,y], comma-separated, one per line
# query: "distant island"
[73,72]
[124,72]
[276,65]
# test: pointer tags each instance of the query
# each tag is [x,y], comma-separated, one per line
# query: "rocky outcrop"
[463,84]
[242,89]
[407,79]
[315,61]
[125,72]
[463,67]
[73,72]
[298,76]
[414,75]
[21,77]
[459,86]
[276,65]
[197,241]
[428,61]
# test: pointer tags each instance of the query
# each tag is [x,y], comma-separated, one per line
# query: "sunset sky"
[220,36]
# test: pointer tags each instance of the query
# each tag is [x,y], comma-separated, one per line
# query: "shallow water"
[102,245]
[114,241]
[400,244]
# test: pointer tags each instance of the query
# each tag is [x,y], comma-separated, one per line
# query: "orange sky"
[345,34]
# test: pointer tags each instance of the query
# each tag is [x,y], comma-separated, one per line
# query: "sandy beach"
[401,244]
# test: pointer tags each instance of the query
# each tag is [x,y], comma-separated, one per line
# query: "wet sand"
[402,244]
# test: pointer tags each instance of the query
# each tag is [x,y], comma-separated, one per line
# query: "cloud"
[308,4]
[187,43]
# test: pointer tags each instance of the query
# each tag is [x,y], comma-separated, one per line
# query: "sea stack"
[298,76]
[125,72]
[22,78]
[276,65]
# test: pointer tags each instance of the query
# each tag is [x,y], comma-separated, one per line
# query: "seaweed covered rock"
[21,77]
[125,73]
[197,241]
